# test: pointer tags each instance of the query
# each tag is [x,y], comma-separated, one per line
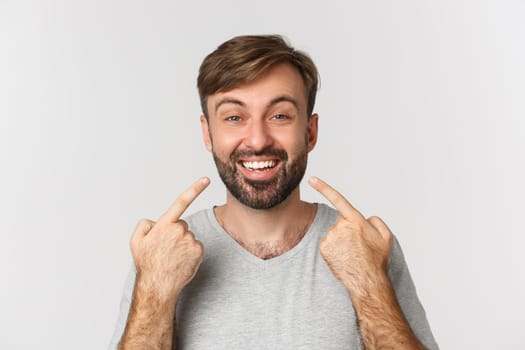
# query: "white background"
[422,108]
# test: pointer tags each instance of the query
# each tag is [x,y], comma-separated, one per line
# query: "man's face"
[260,137]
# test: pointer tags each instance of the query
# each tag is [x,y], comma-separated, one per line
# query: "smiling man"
[266,270]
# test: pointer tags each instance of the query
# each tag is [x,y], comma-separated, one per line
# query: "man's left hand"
[356,249]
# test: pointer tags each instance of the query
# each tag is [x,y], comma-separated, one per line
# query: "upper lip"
[260,159]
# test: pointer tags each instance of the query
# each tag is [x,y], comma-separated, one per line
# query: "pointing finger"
[340,203]
[182,203]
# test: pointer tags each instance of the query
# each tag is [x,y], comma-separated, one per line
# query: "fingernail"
[205,180]
[313,180]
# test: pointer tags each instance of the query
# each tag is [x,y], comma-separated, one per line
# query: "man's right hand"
[166,254]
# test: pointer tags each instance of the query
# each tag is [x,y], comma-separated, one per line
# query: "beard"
[262,194]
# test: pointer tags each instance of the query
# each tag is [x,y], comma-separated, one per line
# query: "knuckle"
[322,245]
[175,230]
[199,248]
[358,225]
[338,227]
[183,224]
[144,225]
[188,235]
[372,218]
[327,239]
[331,234]
[134,243]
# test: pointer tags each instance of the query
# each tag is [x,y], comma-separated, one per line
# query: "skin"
[356,249]
[166,257]
[257,128]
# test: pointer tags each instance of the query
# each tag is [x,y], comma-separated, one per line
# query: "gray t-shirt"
[239,301]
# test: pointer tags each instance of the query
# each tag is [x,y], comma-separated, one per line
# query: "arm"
[167,257]
[381,320]
[151,321]
[357,251]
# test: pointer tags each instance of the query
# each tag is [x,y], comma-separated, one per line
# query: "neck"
[267,233]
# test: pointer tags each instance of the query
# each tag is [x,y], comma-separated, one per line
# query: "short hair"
[243,59]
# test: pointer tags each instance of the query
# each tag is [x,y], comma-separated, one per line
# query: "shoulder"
[324,218]
[203,224]
[327,213]
[200,219]
[198,216]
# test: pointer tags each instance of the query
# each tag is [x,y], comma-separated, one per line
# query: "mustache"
[275,152]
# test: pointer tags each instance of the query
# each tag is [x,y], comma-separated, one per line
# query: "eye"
[233,118]
[280,117]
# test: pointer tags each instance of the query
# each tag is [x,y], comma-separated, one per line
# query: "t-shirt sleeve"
[407,297]
[125,303]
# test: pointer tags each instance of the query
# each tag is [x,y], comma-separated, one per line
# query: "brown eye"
[280,117]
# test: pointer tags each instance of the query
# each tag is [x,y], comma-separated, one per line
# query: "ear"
[312,131]
[206,133]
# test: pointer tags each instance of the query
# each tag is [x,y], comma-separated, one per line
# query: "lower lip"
[259,175]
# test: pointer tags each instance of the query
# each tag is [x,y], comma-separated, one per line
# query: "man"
[266,270]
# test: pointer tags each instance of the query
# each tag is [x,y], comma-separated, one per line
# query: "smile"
[259,170]
[259,166]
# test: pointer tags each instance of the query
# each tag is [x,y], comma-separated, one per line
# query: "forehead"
[280,80]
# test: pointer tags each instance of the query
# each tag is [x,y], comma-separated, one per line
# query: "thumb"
[142,229]
[382,228]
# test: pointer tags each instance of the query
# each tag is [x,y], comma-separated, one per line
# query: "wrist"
[155,291]
[370,284]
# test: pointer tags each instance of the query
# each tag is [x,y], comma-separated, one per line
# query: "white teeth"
[259,165]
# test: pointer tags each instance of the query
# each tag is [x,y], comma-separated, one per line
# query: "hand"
[356,249]
[167,255]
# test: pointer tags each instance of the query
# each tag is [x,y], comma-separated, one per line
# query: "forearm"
[150,323]
[381,321]
[166,256]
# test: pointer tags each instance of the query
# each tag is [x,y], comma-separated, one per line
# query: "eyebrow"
[284,98]
[227,100]
[276,100]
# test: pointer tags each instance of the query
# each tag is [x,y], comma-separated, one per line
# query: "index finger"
[182,202]
[340,203]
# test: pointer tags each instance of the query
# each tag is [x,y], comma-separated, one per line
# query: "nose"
[257,135]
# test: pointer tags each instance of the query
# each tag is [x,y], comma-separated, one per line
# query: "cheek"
[224,143]
[295,144]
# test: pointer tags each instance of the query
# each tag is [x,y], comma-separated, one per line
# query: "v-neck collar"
[223,235]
